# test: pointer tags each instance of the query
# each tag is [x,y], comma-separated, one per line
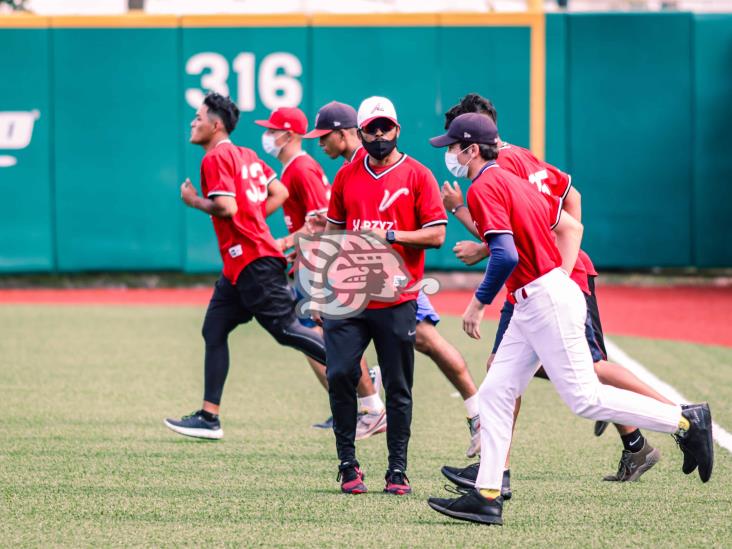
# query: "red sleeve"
[558,182]
[555,208]
[336,209]
[429,203]
[490,210]
[220,175]
[313,191]
[269,173]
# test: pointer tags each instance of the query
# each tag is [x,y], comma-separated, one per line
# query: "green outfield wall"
[94,117]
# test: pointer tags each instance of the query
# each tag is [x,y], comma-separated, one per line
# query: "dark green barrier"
[712,144]
[629,121]
[261,68]
[26,209]
[117,148]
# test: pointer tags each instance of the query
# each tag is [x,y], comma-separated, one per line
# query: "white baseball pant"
[548,328]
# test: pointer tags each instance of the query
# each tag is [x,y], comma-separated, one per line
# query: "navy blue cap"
[468,128]
[333,116]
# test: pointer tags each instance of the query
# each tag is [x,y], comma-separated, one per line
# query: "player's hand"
[451,194]
[315,315]
[188,192]
[471,318]
[315,223]
[470,252]
[291,256]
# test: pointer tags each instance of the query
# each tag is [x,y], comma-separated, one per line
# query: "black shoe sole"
[709,447]
[470,517]
[456,479]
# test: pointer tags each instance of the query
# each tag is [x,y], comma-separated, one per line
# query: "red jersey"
[228,170]
[308,187]
[357,155]
[501,203]
[400,197]
[550,181]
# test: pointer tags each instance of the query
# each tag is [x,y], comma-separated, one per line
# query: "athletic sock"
[372,403]
[471,406]
[489,494]
[208,416]
[633,442]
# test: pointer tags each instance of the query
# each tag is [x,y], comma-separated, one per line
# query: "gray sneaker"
[633,465]
[474,446]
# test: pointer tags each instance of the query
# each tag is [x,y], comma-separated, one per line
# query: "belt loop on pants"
[517,296]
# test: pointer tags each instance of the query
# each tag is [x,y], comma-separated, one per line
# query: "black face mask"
[379,149]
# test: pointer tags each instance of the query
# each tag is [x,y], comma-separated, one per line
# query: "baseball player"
[395,197]
[308,193]
[335,127]
[638,456]
[253,283]
[548,324]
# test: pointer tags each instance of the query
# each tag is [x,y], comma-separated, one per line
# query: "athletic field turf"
[86,461]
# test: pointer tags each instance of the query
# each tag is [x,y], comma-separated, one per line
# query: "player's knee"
[490,361]
[215,331]
[422,343]
[583,404]
[338,375]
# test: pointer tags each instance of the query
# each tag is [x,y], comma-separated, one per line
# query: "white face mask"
[454,165]
[268,144]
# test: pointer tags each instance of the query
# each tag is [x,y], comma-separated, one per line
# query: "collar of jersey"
[291,160]
[386,171]
[504,146]
[223,141]
[353,156]
[485,168]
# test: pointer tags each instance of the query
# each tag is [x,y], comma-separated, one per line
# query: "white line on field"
[723,438]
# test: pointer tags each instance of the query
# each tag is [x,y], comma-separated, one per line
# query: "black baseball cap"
[333,116]
[468,128]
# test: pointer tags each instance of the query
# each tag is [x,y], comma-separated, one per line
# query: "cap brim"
[316,133]
[442,141]
[369,120]
[267,124]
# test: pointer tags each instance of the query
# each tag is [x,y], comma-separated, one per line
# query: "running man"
[638,456]
[253,283]
[308,192]
[335,126]
[548,325]
[384,189]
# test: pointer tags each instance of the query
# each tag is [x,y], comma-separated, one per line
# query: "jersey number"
[538,180]
[257,191]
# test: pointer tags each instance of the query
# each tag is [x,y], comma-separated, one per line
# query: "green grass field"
[86,461]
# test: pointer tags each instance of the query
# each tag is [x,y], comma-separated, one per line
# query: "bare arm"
[573,204]
[452,199]
[427,237]
[220,206]
[569,237]
[277,193]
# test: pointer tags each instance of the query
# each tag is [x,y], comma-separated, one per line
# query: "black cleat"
[470,506]
[196,425]
[465,478]
[697,443]
[600,427]
[327,424]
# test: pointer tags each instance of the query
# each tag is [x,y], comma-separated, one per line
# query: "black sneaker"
[196,425]
[465,478]
[327,424]
[633,464]
[351,478]
[697,443]
[470,506]
[600,427]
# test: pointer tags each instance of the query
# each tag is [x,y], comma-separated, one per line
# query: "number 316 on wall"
[277,79]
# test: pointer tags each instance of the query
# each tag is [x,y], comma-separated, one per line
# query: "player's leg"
[554,317]
[451,363]
[224,313]
[393,331]
[508,377]
[346,341]
[371,409]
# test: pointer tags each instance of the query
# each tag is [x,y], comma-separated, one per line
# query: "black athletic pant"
[261,292]
[393,331]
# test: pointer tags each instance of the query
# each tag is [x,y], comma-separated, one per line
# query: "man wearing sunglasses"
[396,198]
[335,128]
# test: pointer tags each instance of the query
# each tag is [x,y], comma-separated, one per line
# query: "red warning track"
[696,314]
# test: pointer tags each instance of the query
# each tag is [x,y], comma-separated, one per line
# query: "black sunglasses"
[383,124]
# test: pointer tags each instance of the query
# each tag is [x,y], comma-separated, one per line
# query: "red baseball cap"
[286,118]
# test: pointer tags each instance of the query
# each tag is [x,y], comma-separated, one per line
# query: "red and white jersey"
[308,187]
[357,155]
[501,203]
[549,180]
[401,197]
[228,170]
